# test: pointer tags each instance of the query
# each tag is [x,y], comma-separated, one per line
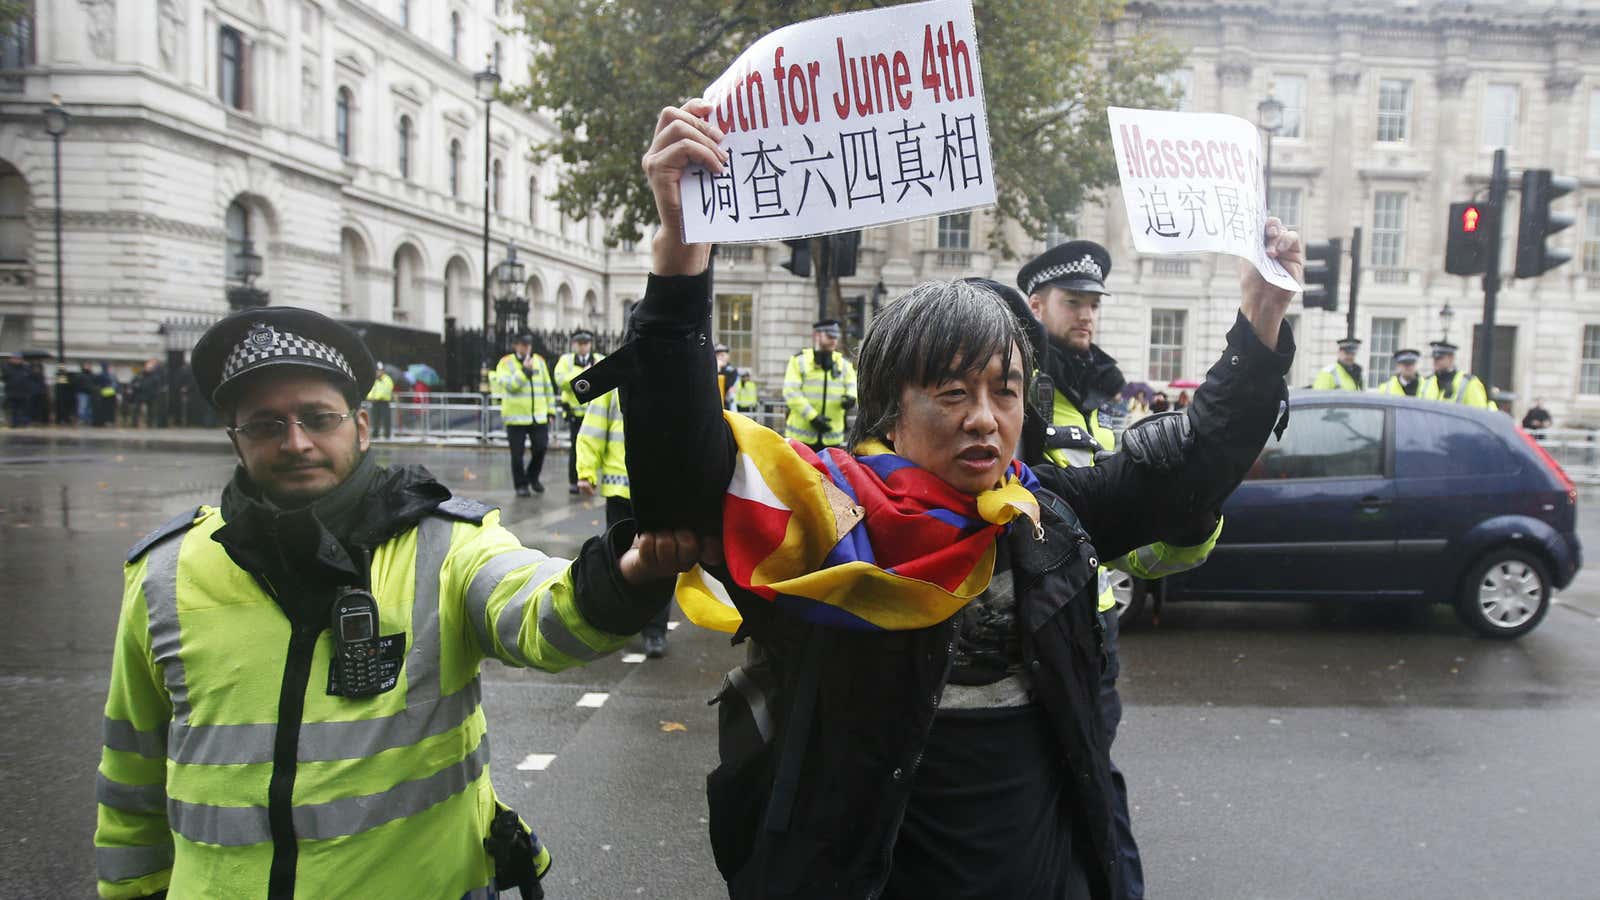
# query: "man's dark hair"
[938,331]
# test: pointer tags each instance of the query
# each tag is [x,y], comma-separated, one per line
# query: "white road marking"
[593,701]
[672,626]
[536,762]
[633,657]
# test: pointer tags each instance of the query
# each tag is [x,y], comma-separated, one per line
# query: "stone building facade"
[1393,110]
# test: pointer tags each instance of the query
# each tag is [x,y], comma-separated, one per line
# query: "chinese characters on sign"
[844,122]
[1192,182]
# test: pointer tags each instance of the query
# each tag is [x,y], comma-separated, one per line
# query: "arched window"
[494,186]
[455,36]
[15,235]
[341,121]
[455,169]
[533,201]
[237,225]
[404,148]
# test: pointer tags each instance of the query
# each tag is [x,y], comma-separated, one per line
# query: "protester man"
[1345,373]
[819,387]
[382,399]
[1452,386]
[294,703]
[568,366]
[523,381]
[1065,286]
[1404,381]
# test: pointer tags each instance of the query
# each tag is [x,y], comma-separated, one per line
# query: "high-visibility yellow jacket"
[1395,386]
[567,369]
[1149,562]
[1335,378]
[745,397]
[602,460]
[524,398]
[224,748]
[1464,388]
[811,391]
[382,388]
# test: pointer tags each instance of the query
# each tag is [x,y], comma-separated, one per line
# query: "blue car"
[1375,497]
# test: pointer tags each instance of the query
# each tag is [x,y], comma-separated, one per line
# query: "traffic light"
[1536,222]
[1322,274]
[855,317]
[845,247]
[1470,241]
[799,257]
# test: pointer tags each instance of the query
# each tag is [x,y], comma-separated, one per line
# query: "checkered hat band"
[1085,266]
[283,345]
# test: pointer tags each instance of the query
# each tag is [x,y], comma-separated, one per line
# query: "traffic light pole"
[1483,355]
[1355,283]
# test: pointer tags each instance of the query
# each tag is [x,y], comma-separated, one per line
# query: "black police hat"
[1442,348]
[583,334]
[1073,266]
[523,337]
[1406,356]
[1349,343]
[720,348]
[826,325]
[252,340]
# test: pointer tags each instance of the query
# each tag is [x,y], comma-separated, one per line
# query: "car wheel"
[1505,595]
[1132,596]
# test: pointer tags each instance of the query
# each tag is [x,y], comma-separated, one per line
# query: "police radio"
[364,664]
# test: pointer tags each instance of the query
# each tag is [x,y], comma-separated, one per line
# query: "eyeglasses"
[277,429]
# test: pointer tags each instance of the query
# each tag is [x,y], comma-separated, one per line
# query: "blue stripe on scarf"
[885,464]
[819,613]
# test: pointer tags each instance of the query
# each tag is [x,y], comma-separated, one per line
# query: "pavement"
[1272,750]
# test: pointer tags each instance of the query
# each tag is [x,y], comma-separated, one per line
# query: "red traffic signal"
[1467,246]
[1469,219]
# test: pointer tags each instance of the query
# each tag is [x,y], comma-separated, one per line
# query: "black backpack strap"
[797,729]
[176,525]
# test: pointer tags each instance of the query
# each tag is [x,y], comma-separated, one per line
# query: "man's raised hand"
[682,139]
[1263,303]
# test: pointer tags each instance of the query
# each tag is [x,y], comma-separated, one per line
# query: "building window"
[1388,229]
[955,239]
[533,201]
[1500,103]
[1291,92]
[403,148]
[494,186]
[1166,344]
[341,121]
[499,60]
[403,13]
[16,40]
[455,36]
[736,327]
[237,225]
[1285,204]
[230,67]
[1591,237]
[499,7]
[455,169]
[1594,122]
[1394,110]
[1380,350]
[1589,372]
[16,237]
[1181,83]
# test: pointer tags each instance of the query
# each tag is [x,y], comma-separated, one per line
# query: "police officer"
[382,397]
[1404,381]
[727,377]
[747,396]
[1065,286]
[819,387]
[294,701]
[570,365]
[1345,373]
[523,381]
[1452,386]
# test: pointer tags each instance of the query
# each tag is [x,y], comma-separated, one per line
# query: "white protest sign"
[843,122]
[1192,182]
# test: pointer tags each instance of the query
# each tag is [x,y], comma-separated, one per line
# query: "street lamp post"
[56,120]
[1269,115]
[487,84]
[1446,316]
[510,309]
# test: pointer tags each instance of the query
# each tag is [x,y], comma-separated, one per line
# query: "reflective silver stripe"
[1078,456]
[756,700]
[422,661]
[123,863]
[614,479]
[483,584]
[225,826]
[1106,579]
[352,815]
[136,798]
[556,633]
[321,741]
[509,624]
[120,735]
[222,745]
[161,604]
[589,431]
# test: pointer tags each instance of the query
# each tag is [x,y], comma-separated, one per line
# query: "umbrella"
[424,373]
[1138,389]
[1182,383]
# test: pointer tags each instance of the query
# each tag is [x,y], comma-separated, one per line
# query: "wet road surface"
[1272,750]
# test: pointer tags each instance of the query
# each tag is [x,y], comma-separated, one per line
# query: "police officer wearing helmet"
[294,700]
[1344,374]
[819,388]
[1065,286]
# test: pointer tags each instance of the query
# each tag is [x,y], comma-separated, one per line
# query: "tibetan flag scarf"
[864,542]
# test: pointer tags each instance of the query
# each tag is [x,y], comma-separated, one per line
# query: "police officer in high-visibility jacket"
[1451,386]
[1064,286]
[1404,382]
[1344,374]
[382,397]
[819,387]
[294,702]
[522,379]
[603,468]
[747,396]
[570,365]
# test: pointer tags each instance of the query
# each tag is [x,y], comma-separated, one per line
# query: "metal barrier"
[1576,449]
